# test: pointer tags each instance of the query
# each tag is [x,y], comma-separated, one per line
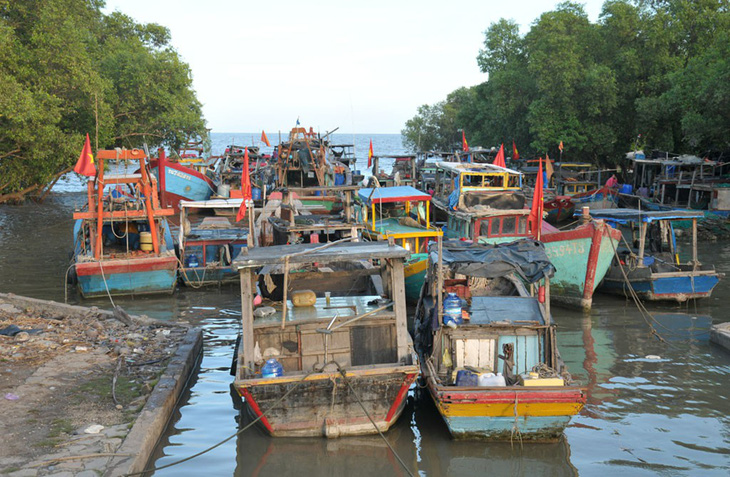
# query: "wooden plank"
[399,306]
[246,357]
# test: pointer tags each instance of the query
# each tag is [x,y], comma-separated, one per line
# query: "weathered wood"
[642,241]
[399,306]
[246,355]
[695,262]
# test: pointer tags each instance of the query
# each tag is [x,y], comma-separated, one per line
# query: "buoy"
[145,241]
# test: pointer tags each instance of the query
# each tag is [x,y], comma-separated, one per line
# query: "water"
[666,416]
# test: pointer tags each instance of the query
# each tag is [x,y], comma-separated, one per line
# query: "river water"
[666,416]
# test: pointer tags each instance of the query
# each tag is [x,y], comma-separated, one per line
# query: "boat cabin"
[207,243]
[399,212]
[339,350]
[461,185]
[650,260]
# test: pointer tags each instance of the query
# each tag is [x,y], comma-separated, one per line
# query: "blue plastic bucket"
[255,193]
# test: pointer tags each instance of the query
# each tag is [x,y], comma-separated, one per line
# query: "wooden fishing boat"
[286,219]
[208,244]
[651,258]
[403,171]
[581,256]
[402,213]
[122,241]
[180,181]
[507,326]
[464,186]
[346,357]
[603,198]
[559,209]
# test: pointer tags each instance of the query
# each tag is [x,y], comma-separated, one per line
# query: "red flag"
[85,164]
[515,153]
[560,146]
[499,160]
[265,139]
[535,218]
[548,168]
[464,144]
[245,188]
[370,154]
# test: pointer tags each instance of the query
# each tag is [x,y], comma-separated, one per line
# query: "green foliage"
[66,68]
[655,68]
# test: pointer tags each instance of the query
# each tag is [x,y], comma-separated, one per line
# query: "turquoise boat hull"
[415,274]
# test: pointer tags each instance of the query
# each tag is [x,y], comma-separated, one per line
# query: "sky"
[362,67]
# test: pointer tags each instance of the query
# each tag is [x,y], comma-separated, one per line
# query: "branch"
[124,114]
[18,196]
[138,134]
[9,153]
[55,179]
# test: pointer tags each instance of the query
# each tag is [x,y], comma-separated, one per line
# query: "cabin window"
[513,181]
[508,225]
[496,181]
[411,244]
[521,226]
[484,228]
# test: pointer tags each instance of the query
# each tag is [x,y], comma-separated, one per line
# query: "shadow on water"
[421,440]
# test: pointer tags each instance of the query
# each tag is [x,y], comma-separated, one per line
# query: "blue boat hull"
[680,287]
[126,279]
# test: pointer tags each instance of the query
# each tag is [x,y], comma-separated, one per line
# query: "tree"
[66,68]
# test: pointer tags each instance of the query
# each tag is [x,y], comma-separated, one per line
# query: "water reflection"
[644,416]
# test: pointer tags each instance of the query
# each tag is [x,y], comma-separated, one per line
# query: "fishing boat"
[325,364]
[401,213]
[558,208]
[207,244]
[180,181]
[581,256]
[487,343]
[403,171]
[467,186]
[122,240]
[648,263]
[286,219]
[603,198]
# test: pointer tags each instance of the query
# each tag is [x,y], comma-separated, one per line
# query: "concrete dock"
[85,393]
[720,335]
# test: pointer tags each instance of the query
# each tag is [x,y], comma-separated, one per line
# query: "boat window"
[496,181]
[508,225]
[484,228]
[410,245]
[513,181]
[521,225]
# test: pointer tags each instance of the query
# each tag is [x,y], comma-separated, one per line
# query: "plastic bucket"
[255,193]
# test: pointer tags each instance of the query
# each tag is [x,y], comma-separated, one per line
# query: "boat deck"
[344,307]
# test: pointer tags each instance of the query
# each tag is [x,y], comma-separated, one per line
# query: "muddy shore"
[85,391]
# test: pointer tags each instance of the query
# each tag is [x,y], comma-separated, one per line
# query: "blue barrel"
[452,309]
[339,179]
[272,368]
[626,189]
[255,193]
[464,377]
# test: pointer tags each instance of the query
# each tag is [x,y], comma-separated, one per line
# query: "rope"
[645,314]
[515,426]
[380,433]
[101,267]
[240,431]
